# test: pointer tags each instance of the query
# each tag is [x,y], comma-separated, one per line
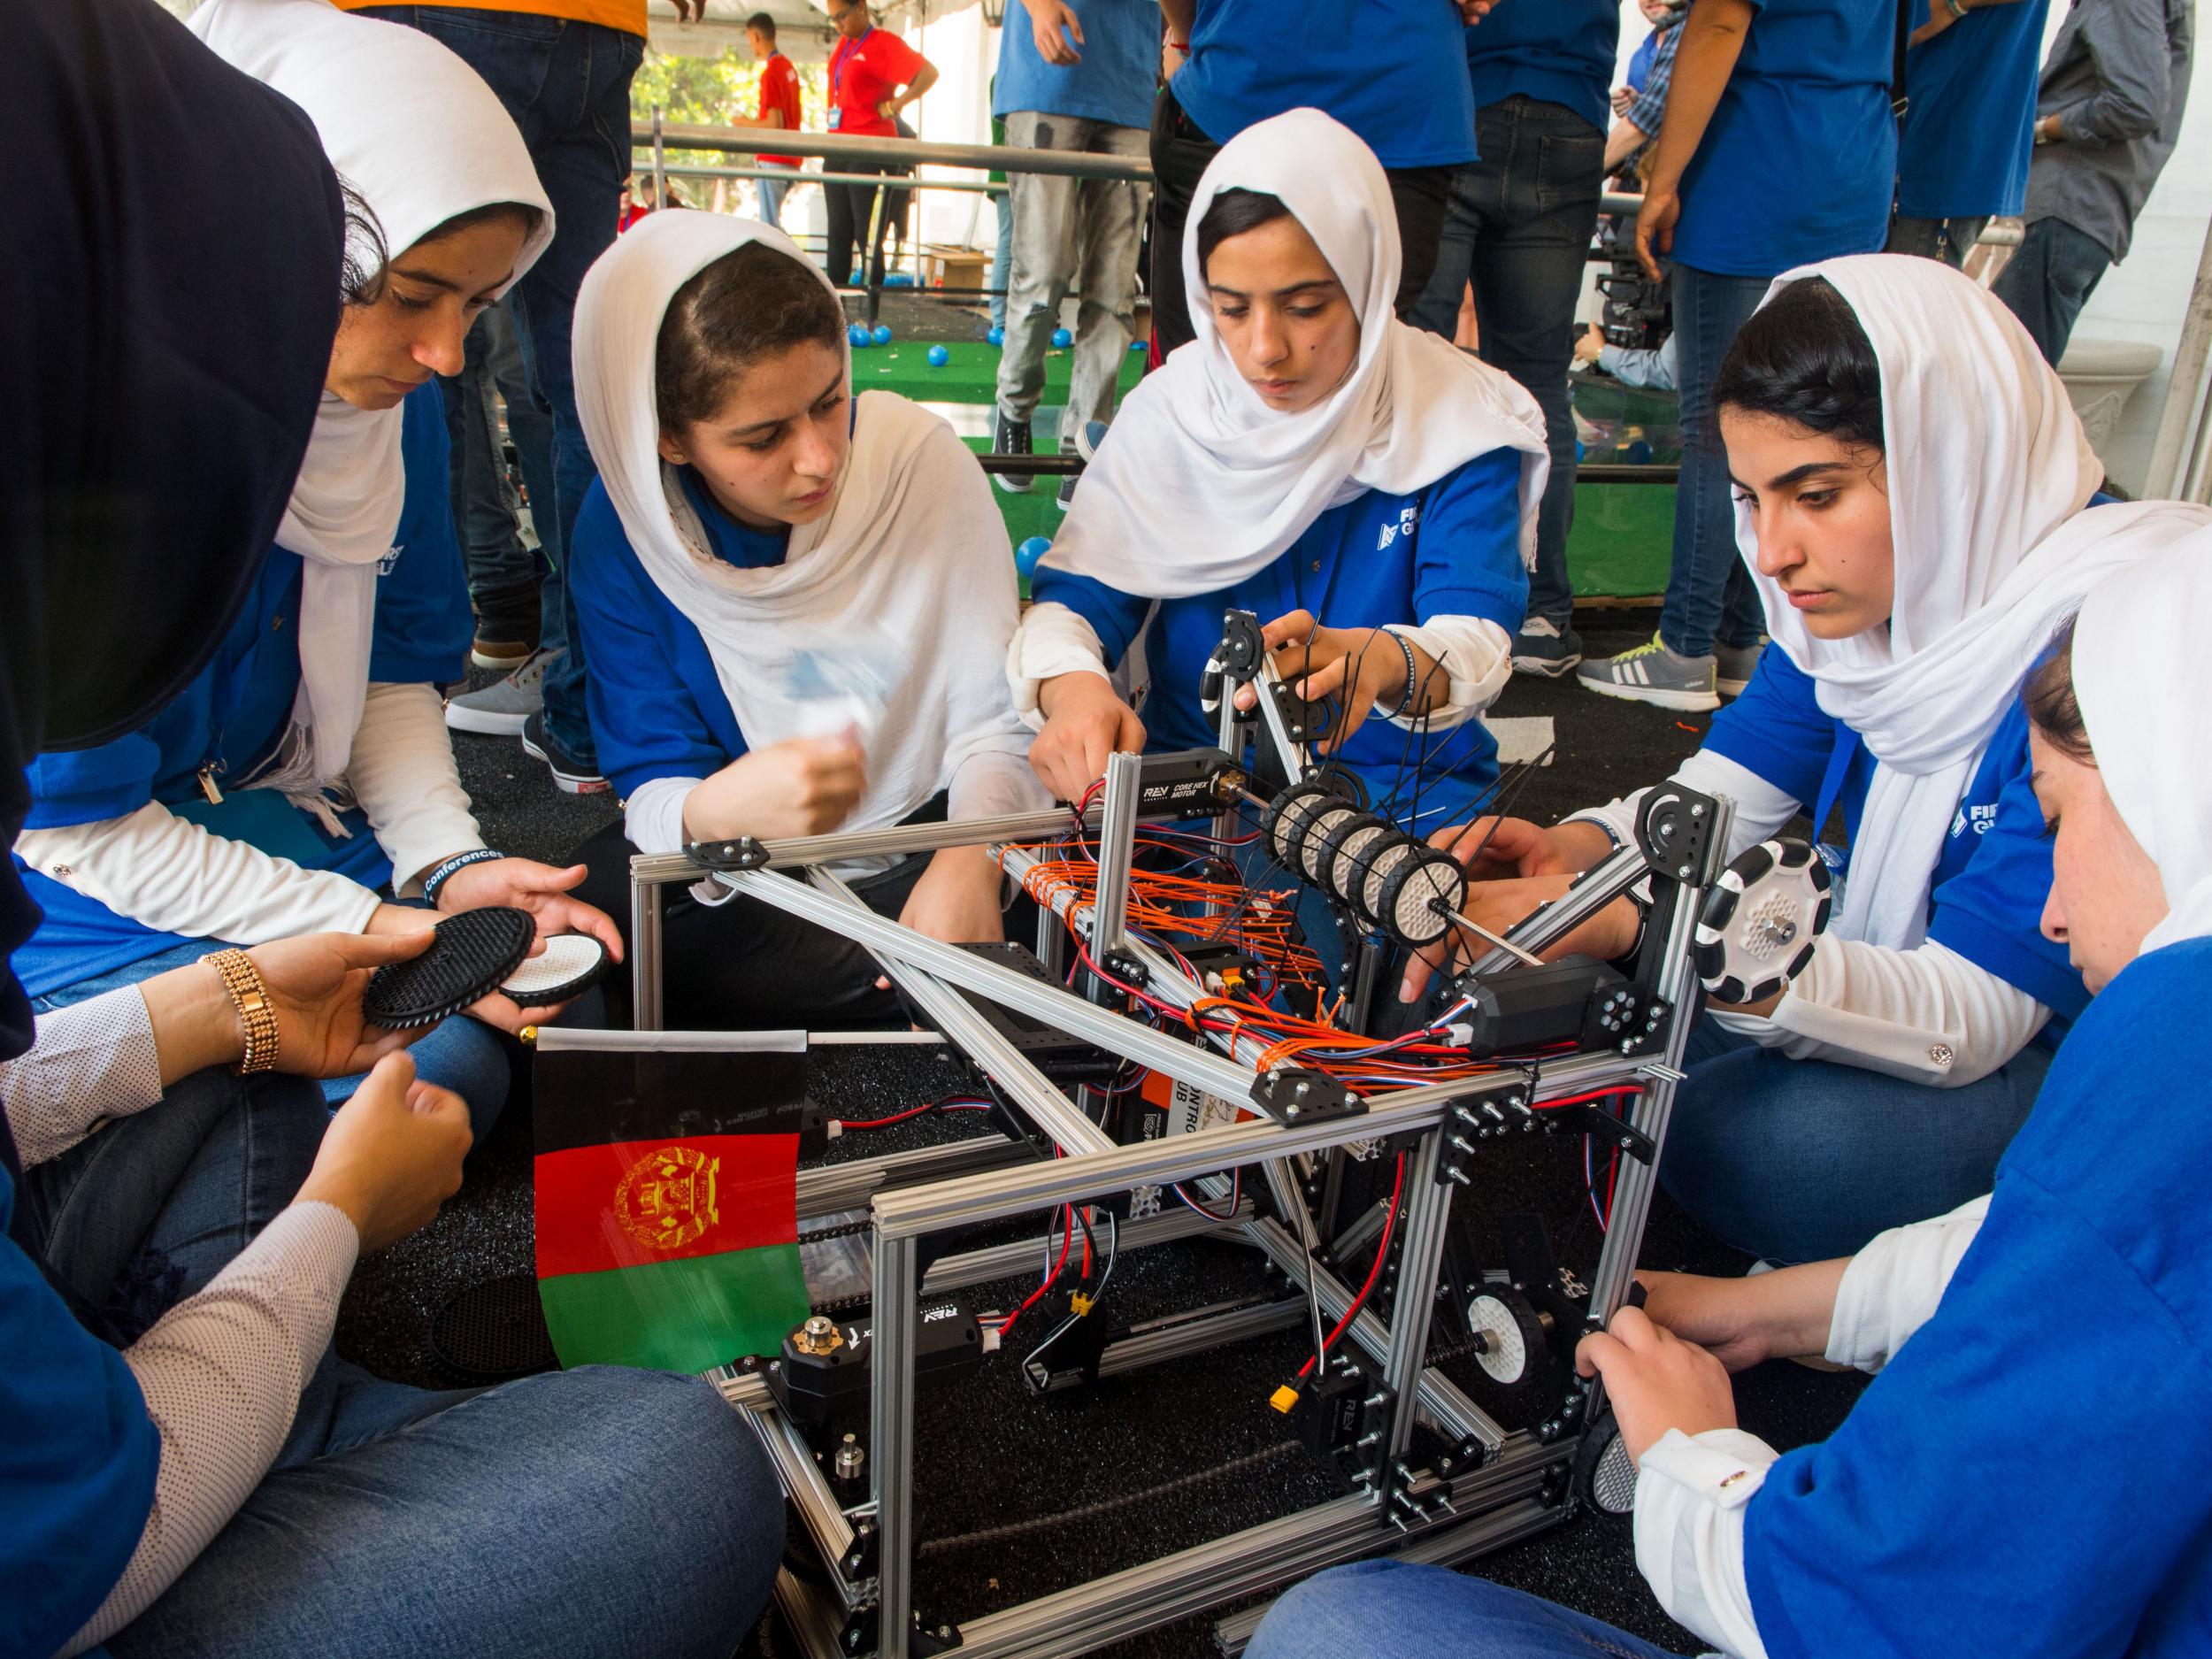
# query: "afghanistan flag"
[667,1208]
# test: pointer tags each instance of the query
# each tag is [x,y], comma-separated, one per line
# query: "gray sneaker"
[1654,674]
[501,708]
[1544,648]
[1733,666]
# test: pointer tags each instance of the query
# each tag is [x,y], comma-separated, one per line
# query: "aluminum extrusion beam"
[895,840]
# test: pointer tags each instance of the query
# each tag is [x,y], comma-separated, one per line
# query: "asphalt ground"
[989,1456]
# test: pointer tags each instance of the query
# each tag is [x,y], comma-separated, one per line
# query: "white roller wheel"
[1511,1337]
[1371,890]
[1310,845]
[1344,876]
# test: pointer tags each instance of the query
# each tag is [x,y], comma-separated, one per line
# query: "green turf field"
[1622,531]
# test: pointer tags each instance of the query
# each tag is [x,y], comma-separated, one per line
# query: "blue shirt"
[1639,60]
[1970,128]
[232,717]
[1987,888]
[656,706]
[1450,550]
[2026,1476]
[1560,51]
[77,1459]
[1113,82]
[1798,160]
[1392,70]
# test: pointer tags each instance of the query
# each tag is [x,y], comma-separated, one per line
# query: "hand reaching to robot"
[1514,866]
[1085,722]
[1656,1380]
[803,785]
[1361,667]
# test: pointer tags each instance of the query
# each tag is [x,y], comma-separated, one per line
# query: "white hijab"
[420,136]
[2138,676]
[891,611]
[1989,473]
[1200,483]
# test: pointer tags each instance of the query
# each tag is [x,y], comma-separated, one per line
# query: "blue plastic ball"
[1027,555]
[1637,452]
[857,334]
[1063,339]
[939,357]
[997,336]
[882,336]
[1140,345]
[1578,449]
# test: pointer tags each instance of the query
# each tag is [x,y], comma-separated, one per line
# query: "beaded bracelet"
[256,1016]
[440,873]
[1405,701]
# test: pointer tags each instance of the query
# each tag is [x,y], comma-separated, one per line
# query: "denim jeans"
[567,86]
[1804,1160]
[504,574]
[1075,236]
[1409,1612]
[772,192]
[1519,229]
[397,1522]
[2049,278]
[1944,239]
[462,1054]
[1709,589]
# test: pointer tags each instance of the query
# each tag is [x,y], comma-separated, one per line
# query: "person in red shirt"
[874,74]
[779,111]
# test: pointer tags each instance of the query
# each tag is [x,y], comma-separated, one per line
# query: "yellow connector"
[1284,1398]
[1079,1304]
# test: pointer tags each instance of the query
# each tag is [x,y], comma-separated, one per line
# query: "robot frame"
[1610,1035]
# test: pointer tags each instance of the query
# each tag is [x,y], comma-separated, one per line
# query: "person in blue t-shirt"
[1969,125]
[1777,150]
[1392,70]
[1076,74]
[304,781]
[1519,231]
[1315,461]
[1984,1496]
[1919,503]
[798,603]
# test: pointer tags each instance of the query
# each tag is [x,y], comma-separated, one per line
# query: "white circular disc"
[566,959]
[1309,849]
[1355,844]
[1390,859]
[1505,1360]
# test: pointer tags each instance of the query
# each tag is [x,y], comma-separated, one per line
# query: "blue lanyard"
[837,69]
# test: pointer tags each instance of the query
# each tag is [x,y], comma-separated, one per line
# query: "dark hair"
[1803,358]
[530,217]
[2053,708]
[1231,213]
[765,24]
[361,263]
[747,305]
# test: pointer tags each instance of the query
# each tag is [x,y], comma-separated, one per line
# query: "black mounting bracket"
[744,853]
[1294,1094]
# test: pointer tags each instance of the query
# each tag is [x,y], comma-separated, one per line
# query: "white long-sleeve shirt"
[222,1371]
[1477,655]
[1927,1015]
[172,875]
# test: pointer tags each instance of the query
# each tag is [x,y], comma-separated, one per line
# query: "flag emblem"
[667,1199]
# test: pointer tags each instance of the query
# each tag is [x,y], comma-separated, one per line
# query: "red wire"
[1382,1254]
[1595,1094]
[896,1118]
[1067,1214]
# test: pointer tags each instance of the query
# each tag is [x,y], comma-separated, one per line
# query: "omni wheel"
[1419,895]
[1509,1336]
[1755,932]
[1604,1477]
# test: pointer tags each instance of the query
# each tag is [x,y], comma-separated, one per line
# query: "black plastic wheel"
[1512,1350]
[494,1330]
[1604,1478]
[1413,890]
[474,953]
[1283,825]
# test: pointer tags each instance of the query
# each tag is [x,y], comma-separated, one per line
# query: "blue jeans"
[1804,1160]
[567,86]
[1388,1608]
[503,575]
[772,194]
[461,1055]
[1709,590]
[2049,279]
[395,1522]
[1519,229]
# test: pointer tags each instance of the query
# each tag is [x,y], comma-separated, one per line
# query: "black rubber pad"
[494,1330]
[474,953]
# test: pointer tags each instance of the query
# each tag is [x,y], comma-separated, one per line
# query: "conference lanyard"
[837,74]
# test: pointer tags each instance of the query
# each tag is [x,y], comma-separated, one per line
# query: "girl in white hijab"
[1919,504]
[309,767]
[797,604]
[1368,491]
[1982,1478]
